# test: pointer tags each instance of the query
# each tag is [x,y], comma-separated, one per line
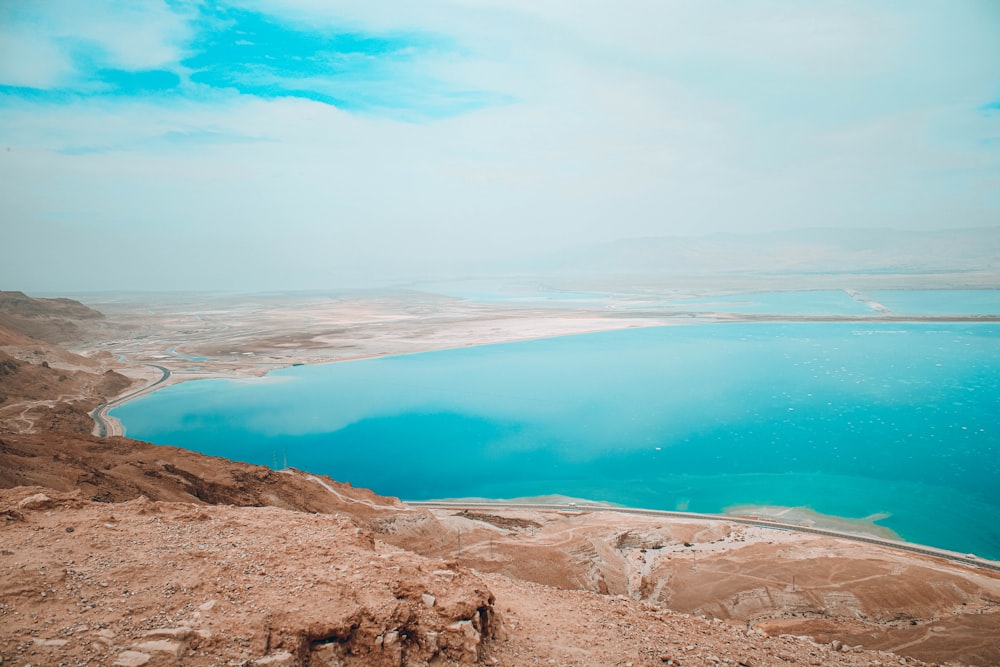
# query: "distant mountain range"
[814,251]
[52,320]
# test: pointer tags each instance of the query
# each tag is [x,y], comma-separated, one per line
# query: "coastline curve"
[106,426]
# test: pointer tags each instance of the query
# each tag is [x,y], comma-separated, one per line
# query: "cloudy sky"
[284,144]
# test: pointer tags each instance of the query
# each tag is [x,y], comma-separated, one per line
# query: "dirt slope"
[51,320]
[121,469]
[167,583]
[44,396]
[157,583]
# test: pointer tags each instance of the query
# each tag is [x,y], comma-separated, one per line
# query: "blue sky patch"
[251,53]
[9,94]
[86,150]
[232,43]
[257,55]
[138,83]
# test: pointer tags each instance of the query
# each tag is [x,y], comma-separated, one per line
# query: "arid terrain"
[118,552]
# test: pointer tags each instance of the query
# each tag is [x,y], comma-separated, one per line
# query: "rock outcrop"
[164,583]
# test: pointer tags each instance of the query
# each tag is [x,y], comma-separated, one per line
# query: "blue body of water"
[939,302]
[848,419]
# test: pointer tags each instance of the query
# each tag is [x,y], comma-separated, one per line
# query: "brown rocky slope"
[44,397]
[182,583]
[162,583]
[44,387]
[51,320]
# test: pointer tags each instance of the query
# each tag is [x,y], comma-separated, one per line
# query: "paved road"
[100,414]
[905,546]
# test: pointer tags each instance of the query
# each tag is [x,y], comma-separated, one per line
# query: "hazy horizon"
[256,145]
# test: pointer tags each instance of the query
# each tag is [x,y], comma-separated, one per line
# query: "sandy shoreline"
[107,425]
[809,518]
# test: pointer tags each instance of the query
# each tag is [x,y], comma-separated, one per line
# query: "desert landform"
[120,552]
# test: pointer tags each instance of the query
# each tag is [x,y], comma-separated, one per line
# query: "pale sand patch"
[804,516]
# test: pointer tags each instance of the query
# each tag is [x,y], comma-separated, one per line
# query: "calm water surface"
[939,302]
[847,419]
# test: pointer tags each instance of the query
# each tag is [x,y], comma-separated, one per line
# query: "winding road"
[104,425]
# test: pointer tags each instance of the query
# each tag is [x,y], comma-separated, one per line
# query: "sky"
[304,144]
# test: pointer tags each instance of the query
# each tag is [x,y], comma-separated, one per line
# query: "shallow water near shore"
[847,419]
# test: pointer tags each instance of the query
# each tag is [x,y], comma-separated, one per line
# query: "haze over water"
[848,419]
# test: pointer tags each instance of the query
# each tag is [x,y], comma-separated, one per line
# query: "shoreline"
[844,526]
[263,368]
[107,426]
[766,514]
[577,508]
[809,518]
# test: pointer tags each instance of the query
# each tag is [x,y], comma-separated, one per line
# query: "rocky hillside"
[50,320]
[118,470]
[44,387]
[159,583]
[41,396]
[184,583]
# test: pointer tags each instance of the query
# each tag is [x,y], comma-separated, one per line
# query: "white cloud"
[30,62]
[133,36]
[40,42]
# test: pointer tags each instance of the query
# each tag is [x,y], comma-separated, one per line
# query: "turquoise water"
[939,302]
[848,419]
